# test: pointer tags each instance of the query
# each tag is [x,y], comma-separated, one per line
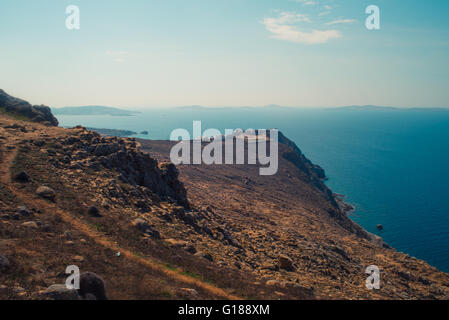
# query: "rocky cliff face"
[23,110]
[88,149]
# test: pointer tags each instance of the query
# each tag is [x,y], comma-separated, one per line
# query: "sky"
[144,53]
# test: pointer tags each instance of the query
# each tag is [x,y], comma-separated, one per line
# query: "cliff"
[117,207]
[22,110]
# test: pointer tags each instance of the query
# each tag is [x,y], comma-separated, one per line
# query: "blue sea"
[392,165]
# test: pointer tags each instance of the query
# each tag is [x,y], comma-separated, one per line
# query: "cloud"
[118,56]
[307,2]
[284,28]
[341,21]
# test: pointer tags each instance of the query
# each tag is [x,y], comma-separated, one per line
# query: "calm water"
[392,165]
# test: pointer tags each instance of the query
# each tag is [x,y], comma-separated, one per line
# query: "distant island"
[338,108]
[382,108]
[92,111]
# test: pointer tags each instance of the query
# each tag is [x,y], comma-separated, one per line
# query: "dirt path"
[29,200]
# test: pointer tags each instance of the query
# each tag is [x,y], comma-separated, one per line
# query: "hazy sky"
[143,53]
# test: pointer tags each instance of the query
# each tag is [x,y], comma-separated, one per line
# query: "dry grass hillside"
[117,208]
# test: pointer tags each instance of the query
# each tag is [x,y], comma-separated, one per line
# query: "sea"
[391,164]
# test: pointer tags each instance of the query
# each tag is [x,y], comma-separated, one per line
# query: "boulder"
[141,225]
[189,293]
[273,283]
[380,227]
[145,227]
[46,228]
[191,249]
[206,256]
[285,263]
[92,285]
[22,176]
[78,258]
[4,263]
[94,212]
[60,292]
[30,225]
[46,193]
[23,211]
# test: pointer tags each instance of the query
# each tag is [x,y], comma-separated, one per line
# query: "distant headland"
[92,111]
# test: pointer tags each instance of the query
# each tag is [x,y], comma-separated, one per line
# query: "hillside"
[150,230]
[22,110]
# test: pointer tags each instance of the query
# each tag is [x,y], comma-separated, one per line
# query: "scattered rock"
[60,292]
[30,224]
[191,249]
[145,227]
[285,263]
[5,216]
[94,212]
[22,177]
[92,284]
[78,258]
[141,225]
[269,266]
[189,293]
[4,263]
[23,211]
[206,256]
[18,290]
[46,193]
[176,243]
[155,234]
[272,283]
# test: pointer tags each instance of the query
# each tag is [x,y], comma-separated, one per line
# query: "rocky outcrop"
[25,111]
[90,150]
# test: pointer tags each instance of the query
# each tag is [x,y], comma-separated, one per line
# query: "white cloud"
[324,13]
[284,28]
[307,2]
[341,21]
